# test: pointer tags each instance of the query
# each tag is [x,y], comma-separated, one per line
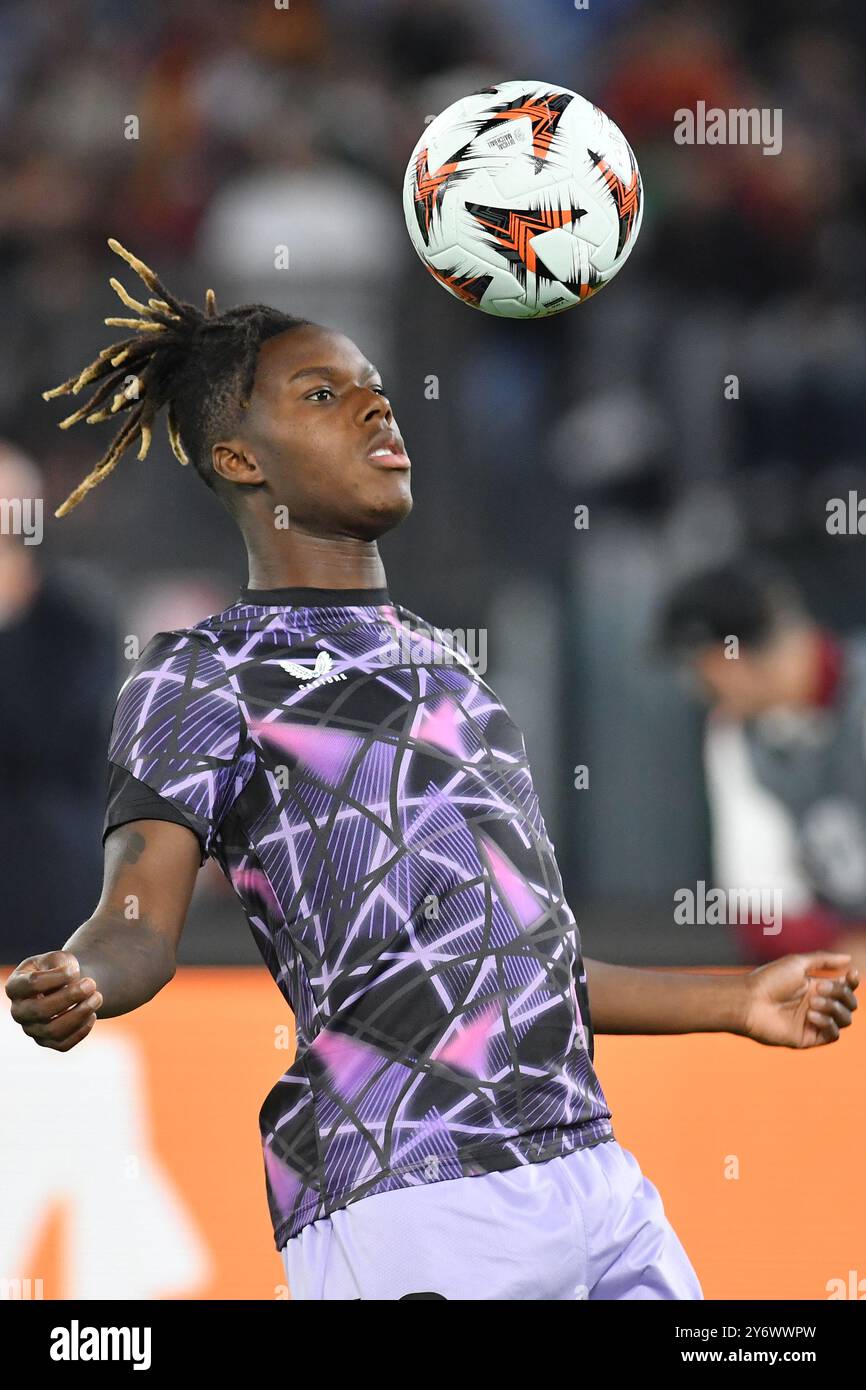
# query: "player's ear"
[236,462]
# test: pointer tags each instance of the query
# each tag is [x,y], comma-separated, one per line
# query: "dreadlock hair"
[199,365]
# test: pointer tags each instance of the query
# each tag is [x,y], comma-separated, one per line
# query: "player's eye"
[325,391]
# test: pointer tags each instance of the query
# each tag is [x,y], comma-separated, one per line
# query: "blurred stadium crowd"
[260,126]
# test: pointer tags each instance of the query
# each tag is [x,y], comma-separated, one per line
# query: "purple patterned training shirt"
[370,800]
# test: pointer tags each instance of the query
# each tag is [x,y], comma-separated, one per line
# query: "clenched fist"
[53,1004]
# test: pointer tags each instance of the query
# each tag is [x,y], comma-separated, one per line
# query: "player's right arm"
[126,951]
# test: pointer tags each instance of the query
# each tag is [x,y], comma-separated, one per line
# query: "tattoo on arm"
[132,848]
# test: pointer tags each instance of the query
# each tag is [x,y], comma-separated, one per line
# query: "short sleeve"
[128,800]
[178,730]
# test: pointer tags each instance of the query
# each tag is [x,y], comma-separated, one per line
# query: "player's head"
[278,415]
[743,636]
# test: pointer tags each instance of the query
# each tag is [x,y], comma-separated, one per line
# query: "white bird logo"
[324,662]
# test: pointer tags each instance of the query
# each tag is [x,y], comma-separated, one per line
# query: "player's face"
[324,436]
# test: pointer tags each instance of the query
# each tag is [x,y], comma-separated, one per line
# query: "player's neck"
[297,560]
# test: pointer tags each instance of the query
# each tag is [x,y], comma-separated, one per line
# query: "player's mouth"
[387,451]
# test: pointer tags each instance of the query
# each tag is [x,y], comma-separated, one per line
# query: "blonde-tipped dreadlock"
[198,365]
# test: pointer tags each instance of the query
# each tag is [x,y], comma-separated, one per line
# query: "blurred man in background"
[785,754]
[57,680]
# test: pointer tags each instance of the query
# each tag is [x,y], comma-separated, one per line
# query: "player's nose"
[376,405]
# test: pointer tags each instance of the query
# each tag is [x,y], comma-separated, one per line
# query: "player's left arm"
[786,1003]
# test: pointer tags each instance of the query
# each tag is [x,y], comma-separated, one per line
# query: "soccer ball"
[523,199]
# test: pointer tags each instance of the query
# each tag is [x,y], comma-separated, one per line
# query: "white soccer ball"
[523,199]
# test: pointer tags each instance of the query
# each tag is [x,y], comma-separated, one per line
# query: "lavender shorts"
[587,1225]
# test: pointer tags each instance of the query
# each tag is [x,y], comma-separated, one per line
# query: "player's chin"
[386,504]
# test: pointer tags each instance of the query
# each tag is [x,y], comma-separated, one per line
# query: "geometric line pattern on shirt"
[381,829]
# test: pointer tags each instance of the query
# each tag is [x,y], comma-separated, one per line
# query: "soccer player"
[441,1131]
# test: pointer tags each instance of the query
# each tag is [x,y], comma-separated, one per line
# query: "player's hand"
[787,1005]
[51,1001]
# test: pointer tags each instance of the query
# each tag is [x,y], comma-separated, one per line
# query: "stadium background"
[261,126]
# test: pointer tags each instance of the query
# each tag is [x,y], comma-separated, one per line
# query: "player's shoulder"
[463,648]
[176,641]
[419,624]
[412,626]
[193,651]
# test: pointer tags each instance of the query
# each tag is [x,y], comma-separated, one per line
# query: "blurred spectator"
[785,754]
[58,664]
